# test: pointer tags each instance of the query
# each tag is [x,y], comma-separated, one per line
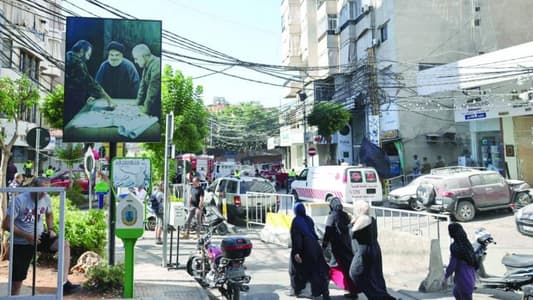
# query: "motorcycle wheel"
[150,224]
[222,229]
[191,263]
[234,292]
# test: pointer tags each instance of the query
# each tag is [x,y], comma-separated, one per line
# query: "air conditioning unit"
[365,8]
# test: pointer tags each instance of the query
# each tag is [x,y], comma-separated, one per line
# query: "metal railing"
[257,205]
[60,248]
[393,183]
[424,224]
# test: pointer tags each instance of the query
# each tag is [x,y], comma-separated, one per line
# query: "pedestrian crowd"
[356,263]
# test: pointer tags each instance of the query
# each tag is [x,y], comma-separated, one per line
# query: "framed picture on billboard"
[112,80]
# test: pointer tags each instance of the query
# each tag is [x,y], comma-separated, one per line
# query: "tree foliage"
[328,117]
[52,107]
[16,96]
[180,96]
[242,127]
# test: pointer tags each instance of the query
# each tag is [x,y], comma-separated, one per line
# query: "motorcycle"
[211,213]
[519,267]
[221,266]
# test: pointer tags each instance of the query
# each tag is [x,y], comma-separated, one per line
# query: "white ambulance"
[349,183]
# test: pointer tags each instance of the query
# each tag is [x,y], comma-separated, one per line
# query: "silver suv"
[463,192]
[234,190]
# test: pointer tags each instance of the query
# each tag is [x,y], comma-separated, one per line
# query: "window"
[476,180]
[492,178]
[231,187]
[282,24]
[332,22]
[477,22]
[383,31]
[29,65]
[7,53]
[370,176]
[356,177]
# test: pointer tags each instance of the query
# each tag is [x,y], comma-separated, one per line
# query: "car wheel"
[522,199]
[426,194]
[465,211]
[296,198]
[150,224]
[416,205]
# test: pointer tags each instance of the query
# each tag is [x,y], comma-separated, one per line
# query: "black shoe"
[292,293]
[69,288]
[351,296]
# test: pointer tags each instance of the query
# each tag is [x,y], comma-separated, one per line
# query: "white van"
[349,183]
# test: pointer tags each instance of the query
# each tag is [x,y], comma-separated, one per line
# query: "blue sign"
[479,115]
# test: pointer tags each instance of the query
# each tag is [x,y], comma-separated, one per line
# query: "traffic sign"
[44,137]
[311,151]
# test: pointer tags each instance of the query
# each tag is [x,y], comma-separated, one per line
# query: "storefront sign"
[480,108]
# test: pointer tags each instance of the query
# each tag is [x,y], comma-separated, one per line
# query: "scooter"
[519,267]
[221,266]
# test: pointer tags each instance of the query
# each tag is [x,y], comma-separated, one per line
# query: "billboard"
[112,80]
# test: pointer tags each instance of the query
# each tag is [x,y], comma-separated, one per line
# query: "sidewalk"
[151,280]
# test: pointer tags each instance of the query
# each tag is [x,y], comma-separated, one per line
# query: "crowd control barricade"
[424,224]
[258,205]
[61,246]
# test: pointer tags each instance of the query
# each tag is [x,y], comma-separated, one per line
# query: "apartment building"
[32,35]
[382,45]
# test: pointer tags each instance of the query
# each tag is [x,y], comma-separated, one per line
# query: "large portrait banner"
[112,80]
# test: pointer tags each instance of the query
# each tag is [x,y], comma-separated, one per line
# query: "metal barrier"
[393,183]
[60,248]
[257,205]
[422,224]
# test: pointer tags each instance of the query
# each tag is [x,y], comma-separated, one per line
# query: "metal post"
[168,141]
[112,211]
[37,146]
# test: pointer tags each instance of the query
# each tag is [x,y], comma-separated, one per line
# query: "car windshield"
[256,186]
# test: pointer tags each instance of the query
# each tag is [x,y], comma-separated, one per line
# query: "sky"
[249,30]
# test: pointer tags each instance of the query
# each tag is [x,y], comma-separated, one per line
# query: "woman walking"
[462,262]
[307,263]
[365,231]
[338,236]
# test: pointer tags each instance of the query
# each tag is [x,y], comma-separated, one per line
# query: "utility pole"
[302,97]
[373,80]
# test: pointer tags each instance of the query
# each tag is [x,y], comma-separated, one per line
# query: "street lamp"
[302,97]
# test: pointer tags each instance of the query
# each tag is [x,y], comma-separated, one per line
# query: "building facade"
[32,35]
[382,46]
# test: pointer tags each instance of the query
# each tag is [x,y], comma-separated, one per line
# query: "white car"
[406,195]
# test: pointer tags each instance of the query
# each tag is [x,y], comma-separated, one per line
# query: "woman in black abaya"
[307,263]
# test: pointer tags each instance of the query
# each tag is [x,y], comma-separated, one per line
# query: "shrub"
[76,196]
[85,230]
[105,278]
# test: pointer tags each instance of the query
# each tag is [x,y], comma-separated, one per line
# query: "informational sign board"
[130,172]
[130,215]
[177,215]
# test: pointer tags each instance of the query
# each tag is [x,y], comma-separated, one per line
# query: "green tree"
[243,127]
[179,95]
[52,107]
[16,97]
[328,117]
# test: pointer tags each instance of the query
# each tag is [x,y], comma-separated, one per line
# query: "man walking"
[196,204]
[25,241]
[149,94]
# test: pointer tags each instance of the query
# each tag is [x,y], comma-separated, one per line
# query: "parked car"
[349,183]
[524,220]
[465,192]
[63,179]
[405,196]
[234,190]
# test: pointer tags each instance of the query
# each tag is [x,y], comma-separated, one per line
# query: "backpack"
[155,204]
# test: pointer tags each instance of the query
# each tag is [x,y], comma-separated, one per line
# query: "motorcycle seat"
[518,260]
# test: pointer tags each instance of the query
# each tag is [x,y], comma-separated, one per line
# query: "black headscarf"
[337,217]
[461,248]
